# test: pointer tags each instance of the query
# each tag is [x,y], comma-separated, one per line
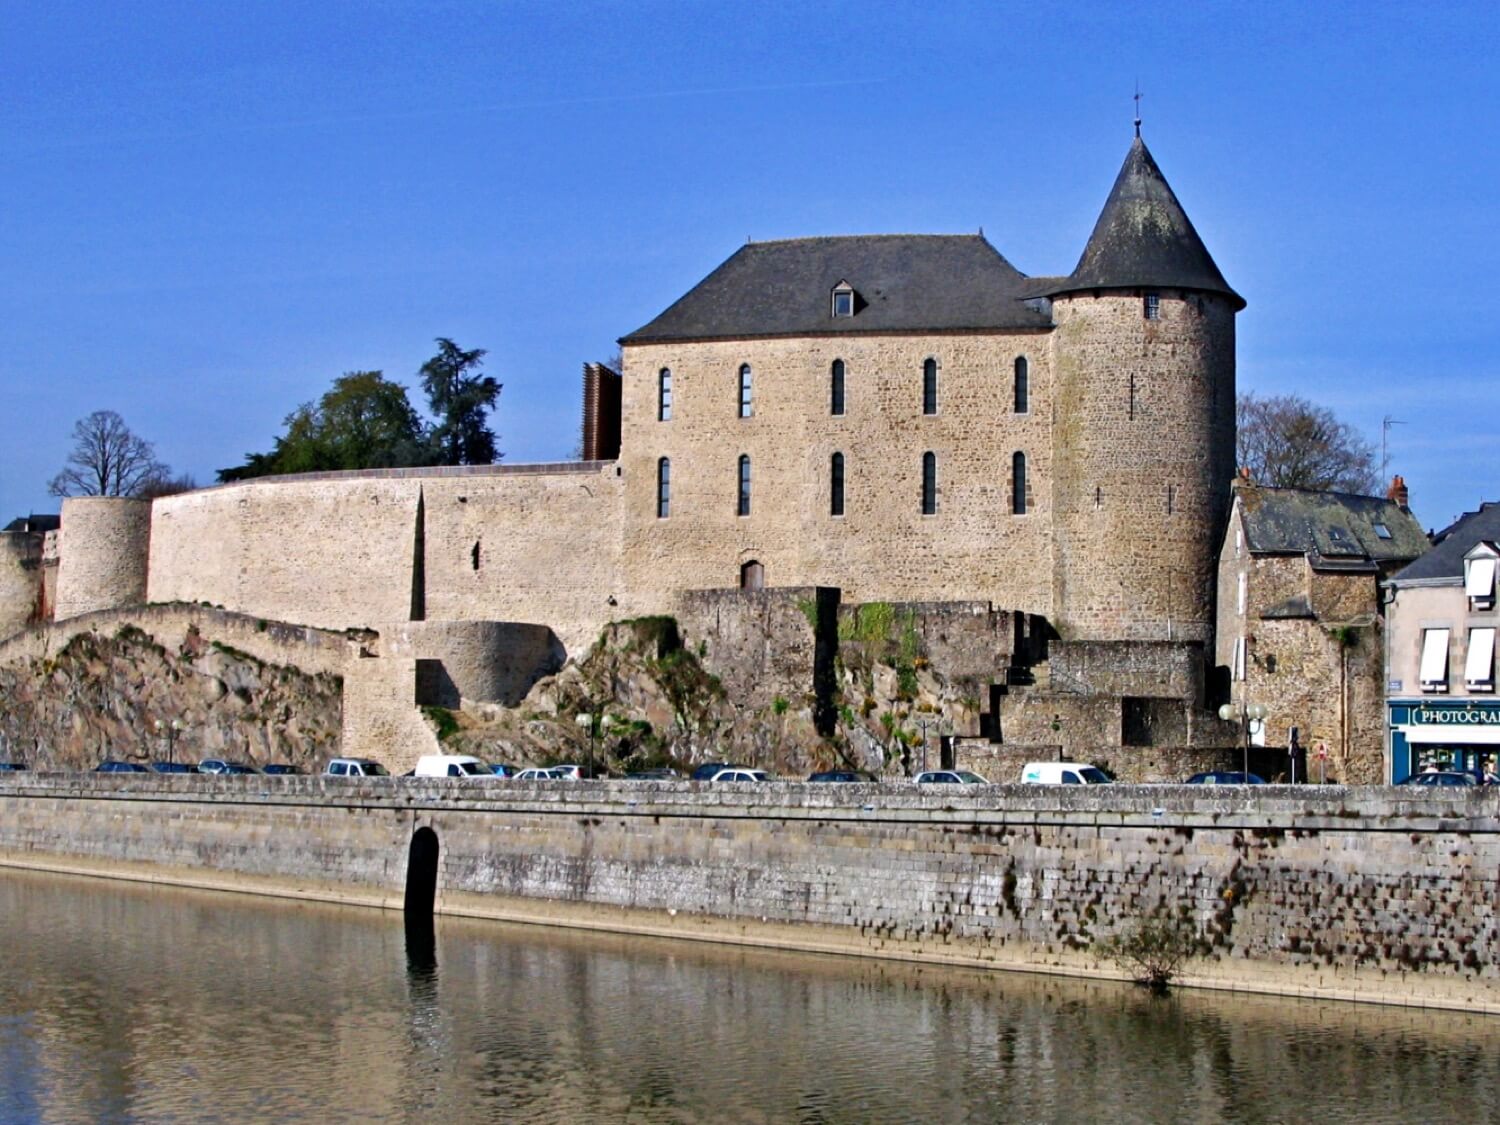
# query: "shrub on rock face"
[1152,948]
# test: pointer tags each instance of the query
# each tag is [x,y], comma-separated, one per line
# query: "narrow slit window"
[836,387]
[474,555]
[1434,669]
[743,507]
[664,395]
[929,386]
[1018,484]
[1023,385]
[929,484]
[1479,665]
[746,406]
[663,488]
[836,485]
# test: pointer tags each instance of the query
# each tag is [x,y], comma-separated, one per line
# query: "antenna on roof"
[981,230]
[1137,107]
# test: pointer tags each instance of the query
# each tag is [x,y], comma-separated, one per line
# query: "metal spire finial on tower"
[1138,108]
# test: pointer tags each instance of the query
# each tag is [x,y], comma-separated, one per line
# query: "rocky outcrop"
[118,695]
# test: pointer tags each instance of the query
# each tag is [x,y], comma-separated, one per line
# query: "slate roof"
[904,283]
[34,523]
[1335,530]
[1446,559]
[1144,239]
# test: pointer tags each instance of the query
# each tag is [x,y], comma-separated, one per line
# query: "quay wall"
[1369,894]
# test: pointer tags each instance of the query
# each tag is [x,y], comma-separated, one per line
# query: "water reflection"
[120,1002]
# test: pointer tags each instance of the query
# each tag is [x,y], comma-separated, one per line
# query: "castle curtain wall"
[882,547]
[360,550]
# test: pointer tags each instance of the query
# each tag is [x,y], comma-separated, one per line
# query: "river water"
[124,1003]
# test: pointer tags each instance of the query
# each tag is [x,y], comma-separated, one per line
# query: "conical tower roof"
[1144,239]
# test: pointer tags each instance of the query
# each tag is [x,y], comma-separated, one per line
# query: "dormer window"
[843,299]
[1479,581]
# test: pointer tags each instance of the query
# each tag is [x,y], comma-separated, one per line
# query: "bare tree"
[1287,442]
[108,460]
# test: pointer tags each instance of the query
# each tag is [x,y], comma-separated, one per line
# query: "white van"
[1062,773]
[451,765]
[355,767]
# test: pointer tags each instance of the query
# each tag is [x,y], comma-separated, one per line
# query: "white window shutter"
[1434,670]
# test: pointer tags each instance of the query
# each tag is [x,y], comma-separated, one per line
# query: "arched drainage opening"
[421,893]
[421,874]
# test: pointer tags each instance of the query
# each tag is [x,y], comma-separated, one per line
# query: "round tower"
[102,554]
[1143,361]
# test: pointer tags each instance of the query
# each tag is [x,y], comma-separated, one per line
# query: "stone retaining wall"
[1374,894]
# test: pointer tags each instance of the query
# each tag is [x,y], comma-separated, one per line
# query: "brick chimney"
[1397,492]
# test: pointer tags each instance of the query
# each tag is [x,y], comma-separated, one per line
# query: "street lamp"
[171,730]
[1249,716]
[922,722]
[586,721]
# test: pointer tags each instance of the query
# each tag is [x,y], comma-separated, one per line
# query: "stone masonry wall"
[498,543]
[1293,890]
[105,541]
[1145,452]
[20,579]
[882,548]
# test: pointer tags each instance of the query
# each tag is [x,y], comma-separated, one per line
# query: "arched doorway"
[752,576]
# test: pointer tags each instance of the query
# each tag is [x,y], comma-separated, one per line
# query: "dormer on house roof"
[1334,530]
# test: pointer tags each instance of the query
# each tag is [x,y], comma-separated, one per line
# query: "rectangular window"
[664,396]
[1434,668]
[843,302]
[929,386]
[1479,666]
[1153,306]
[1244,592]
[746,408]
[836,381]
[836,486]
[1479,582]
[743,508]
[929,484]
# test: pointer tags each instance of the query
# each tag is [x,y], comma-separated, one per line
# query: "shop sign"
[1454,717]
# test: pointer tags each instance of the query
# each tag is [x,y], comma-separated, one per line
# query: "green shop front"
[1459,734]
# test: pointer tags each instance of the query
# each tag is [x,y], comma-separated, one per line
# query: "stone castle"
[901,418]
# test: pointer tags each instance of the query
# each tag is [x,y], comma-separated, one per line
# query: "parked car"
[741,774]
[537,773]
[111,765]
[451,765]
[848,777]
[355,767]
[12,767]
[949,777]
[173,767]
[280,769]
[568,772]
[706,771]
[1441,778]
[501,770]
[1062,773]
[239,768]
[659,773]
[1225,777]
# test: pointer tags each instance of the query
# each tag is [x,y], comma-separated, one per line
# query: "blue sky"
[208,211]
